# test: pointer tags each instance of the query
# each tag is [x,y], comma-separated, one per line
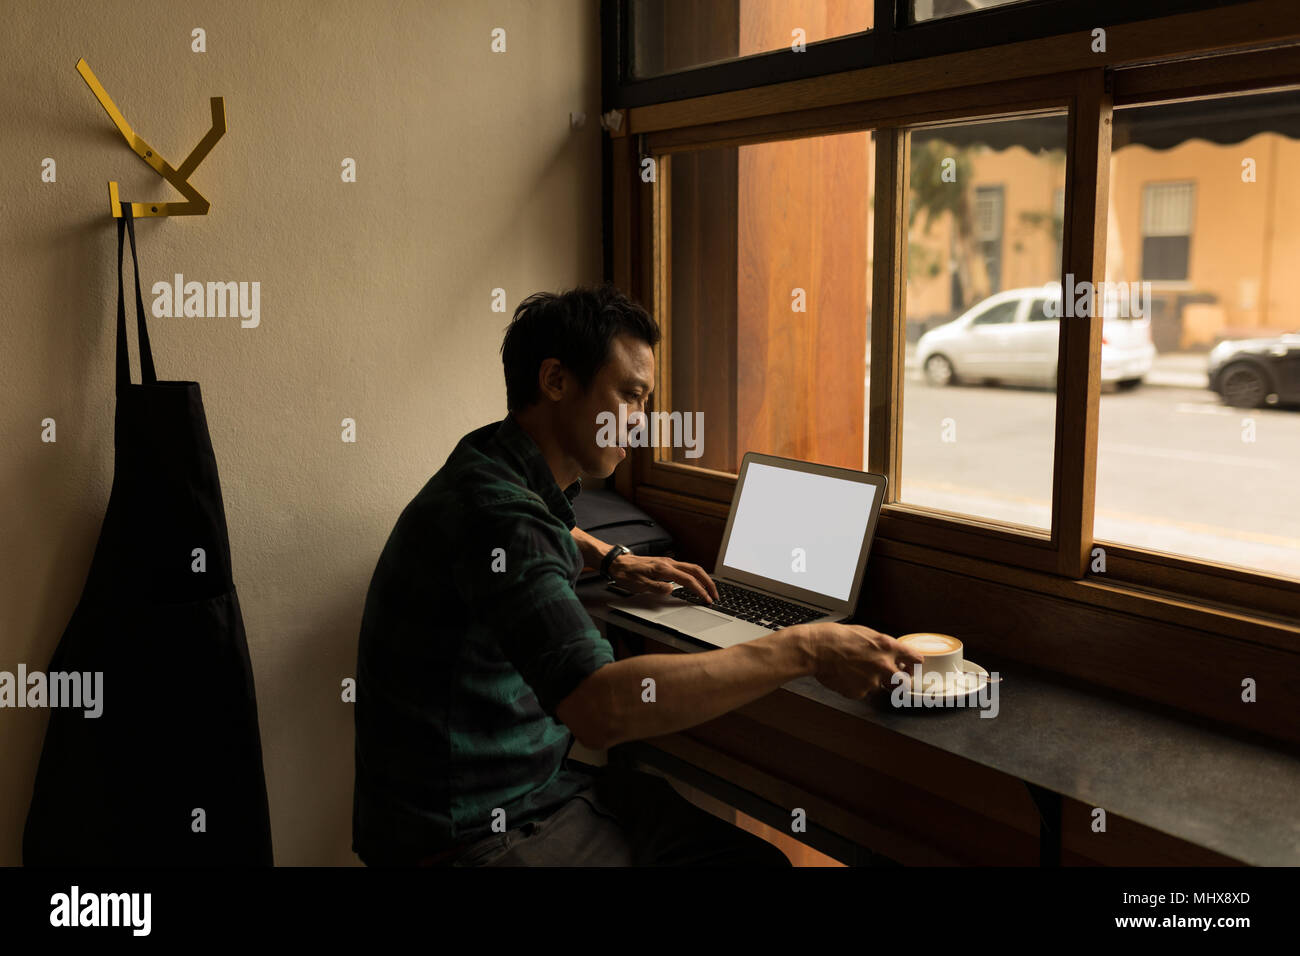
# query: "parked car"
[1249,373]
[1009,337]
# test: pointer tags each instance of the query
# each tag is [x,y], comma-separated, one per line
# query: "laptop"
[794,552]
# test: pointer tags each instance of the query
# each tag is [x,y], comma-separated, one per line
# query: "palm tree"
[932,194]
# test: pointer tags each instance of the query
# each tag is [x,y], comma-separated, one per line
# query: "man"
[478,666]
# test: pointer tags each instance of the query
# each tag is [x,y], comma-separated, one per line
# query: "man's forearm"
[593,549]
[694,687]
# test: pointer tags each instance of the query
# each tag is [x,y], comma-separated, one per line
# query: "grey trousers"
[625,818]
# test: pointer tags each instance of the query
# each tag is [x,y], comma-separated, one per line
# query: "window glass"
[1166,229]
[672,35]
[979,401]
[938,9]
[769,301]
[1005,312]
[1199,431]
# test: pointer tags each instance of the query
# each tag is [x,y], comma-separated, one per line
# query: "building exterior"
[1214,228]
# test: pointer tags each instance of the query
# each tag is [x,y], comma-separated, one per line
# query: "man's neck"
[564,470]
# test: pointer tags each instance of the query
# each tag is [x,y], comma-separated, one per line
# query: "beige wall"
[1245,235]
[375,305]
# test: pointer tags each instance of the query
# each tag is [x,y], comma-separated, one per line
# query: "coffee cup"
[941,653]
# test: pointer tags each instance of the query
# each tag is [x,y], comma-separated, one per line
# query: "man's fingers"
[891,679]
[703,578]
[904,653]
[886,681]
[668,574]
[681,574]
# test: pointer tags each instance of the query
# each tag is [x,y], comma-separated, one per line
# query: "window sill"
[1175,608]
[1176,774]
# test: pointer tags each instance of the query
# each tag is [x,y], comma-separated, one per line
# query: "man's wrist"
[611,557]
[803,640]
[592,548]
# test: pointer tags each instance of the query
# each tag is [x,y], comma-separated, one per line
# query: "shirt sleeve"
[523,595]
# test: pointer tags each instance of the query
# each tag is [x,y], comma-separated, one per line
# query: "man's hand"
[640,574]
[853,660]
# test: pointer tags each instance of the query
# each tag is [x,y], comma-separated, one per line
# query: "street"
[1176,470]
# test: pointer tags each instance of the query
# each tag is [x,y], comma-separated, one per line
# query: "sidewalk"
[1170,369]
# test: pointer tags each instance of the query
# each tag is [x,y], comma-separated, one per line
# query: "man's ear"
[551,377]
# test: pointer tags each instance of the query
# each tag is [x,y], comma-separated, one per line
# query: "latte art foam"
[931,643]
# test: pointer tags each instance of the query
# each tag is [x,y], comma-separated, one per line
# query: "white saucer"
[973,678]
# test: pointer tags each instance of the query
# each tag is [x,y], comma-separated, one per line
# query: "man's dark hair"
[575,327]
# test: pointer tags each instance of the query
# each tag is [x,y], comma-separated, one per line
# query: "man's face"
[627,378]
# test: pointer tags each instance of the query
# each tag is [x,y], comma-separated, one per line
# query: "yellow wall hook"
[196,205]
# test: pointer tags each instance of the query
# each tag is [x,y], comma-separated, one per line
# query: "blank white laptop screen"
[781,510]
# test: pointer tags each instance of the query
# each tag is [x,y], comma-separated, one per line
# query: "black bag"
[609,516]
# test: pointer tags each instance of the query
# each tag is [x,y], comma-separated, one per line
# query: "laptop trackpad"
[694,620]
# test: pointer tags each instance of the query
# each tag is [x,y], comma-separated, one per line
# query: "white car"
[1010,337]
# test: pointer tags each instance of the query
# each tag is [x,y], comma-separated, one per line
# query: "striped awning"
[1225,120]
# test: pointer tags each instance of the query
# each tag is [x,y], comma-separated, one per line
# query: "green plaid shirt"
[471,636]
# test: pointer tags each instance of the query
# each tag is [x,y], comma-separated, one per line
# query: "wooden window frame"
[892,38]
[888,99]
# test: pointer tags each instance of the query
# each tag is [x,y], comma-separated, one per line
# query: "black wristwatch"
[608,560]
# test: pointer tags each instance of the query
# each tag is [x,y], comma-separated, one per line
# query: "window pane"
[937,9]
[1167,209]
[1166,229]
[983,253]
[671,35]
[1201,458]
[769,302]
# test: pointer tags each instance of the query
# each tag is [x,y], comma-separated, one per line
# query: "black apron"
[178,732]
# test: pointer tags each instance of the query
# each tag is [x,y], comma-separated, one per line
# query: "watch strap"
[608,560]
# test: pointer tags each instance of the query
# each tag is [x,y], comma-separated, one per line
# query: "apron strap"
[127,224]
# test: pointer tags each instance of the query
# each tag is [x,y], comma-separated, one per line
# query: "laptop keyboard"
[753,606]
